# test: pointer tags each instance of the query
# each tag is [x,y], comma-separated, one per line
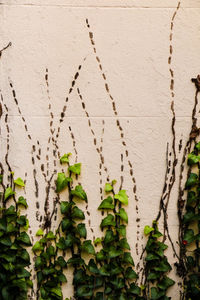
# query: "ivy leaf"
[1,178]
[197,146]
[192,180]
[165,283]
[6,241]
[37,247]
[76,169]
[62,182]
[8,193]
[107,203]
[189,236]
[92,267]
[22,201]
[148,229]
[122,230]
[65,207]
[124,244]
[109,237]
[193,159]
[163,266]
[134,289]
[19,182]
[103,271]
[88,247]
[191,198]
[66,224]
[156,294]
[50,236]
[123,215]
[82,230]
[56,291]
[122,197]
[108,221]
[113,252]
[130,273]
[65,158]
[77,213]
[79,192]
[61,262]
[24,238]
[108,187]
[40,232]
[127,258]
[97,241]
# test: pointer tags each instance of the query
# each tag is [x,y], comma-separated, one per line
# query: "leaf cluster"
[14,259]
[157,265]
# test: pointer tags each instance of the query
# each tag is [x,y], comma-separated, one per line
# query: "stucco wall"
[134,59]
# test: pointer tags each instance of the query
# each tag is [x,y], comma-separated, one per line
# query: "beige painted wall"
[134,57]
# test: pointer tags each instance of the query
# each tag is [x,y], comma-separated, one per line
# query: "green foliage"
[113,265]
[191,227]
[14,258]
[157,265]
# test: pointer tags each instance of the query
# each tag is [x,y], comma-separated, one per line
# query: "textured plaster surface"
[119,107]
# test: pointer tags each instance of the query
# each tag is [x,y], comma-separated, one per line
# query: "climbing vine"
[157,266]
[191,227]
[14,259]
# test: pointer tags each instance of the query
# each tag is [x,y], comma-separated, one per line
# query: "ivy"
[157,265]
[113,265]
[14,259]
[190,243]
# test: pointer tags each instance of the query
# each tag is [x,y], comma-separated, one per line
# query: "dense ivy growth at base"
[14,258]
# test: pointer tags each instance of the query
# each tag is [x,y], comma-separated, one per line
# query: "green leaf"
[82,230]
[124,244]
[50,236]
[62,278]
[108,187]
[19,182]
[24,238]
[134,289]
[66,224]
[6,241]
[40,232]
[103,271]
[92,267]
[1,178]
[113,252]
[109,237]
[122,230]
[56,291]
[77,213]
[65,158]
[76,169]
[97,241]
[197,146]
[123,215]
[130,273]
[62,182]
[37,247]
[107,203]
[61,262]
[153,276]
[165,283]
[22,201]
[108,221]
[38,262]
[122,197]
[88,247]
[127,258]
[163,266]
[65,207]
[191,198]
[156,294]
[189,236]
[192,180]
[193,159]
[152,256]
[79,192]
[8,193]
[148,229]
